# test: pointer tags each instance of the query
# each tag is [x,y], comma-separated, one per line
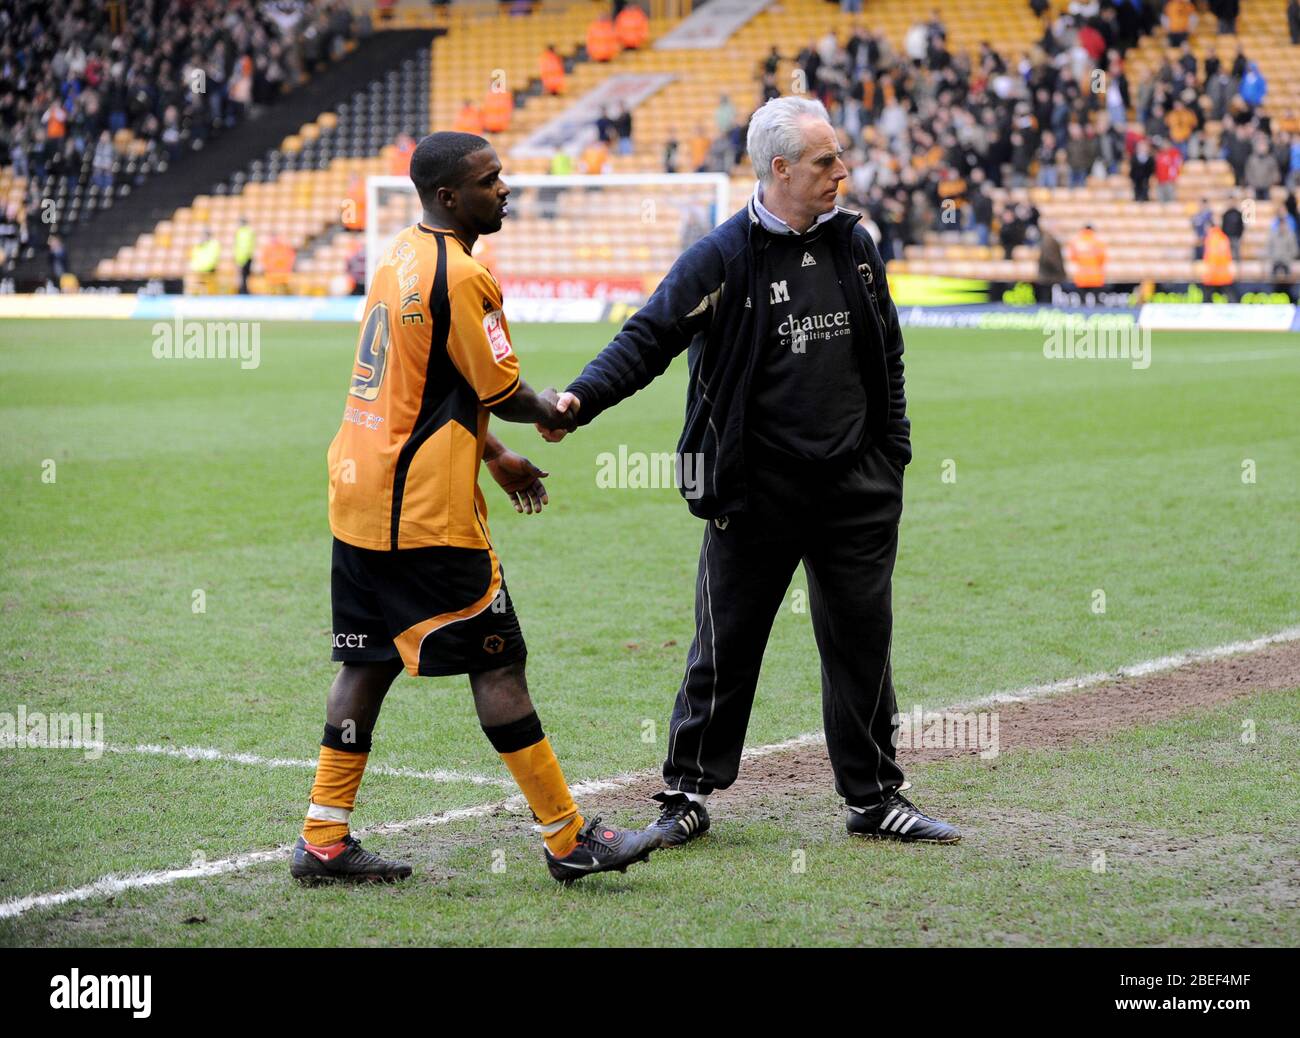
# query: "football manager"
[796,421]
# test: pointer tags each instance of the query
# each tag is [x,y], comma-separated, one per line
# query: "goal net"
[609,237]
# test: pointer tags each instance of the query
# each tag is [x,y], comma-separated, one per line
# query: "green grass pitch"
[130,483]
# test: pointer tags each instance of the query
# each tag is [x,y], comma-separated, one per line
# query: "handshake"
[560,414]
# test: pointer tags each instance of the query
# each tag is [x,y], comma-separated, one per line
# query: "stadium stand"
[974,135]
[296,193]
[98,99]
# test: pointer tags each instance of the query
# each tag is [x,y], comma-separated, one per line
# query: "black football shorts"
[443,610]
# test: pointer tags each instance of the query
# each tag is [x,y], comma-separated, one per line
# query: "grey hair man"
[796,419]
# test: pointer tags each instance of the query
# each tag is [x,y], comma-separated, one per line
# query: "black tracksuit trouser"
[843,524]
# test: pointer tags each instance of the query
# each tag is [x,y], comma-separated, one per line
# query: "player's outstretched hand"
[566,407]
[520,479]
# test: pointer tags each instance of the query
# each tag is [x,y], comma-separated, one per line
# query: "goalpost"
[605,236]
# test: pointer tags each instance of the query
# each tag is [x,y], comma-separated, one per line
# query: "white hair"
[775,130]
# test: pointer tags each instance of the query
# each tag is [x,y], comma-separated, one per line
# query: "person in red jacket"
[1217,270]
[632,27]
[1087,257]
[498,107]
[552,70]
[602,41]
[1169,163]
[469,119]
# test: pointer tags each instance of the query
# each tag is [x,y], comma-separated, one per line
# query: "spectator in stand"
[277,259]
[1087,256]
[55,121]
[1285,150]
[354,204]
[623,129]
[356,269]
[1011,231]
[173,132]
[10,234]
[1262,170]
[1051,261]
[1282,246]
[1220,89]
[245,248]
[595,157]
[699,154]
[241,88]
[1182,122]
[469,119]
[1141,168]
[204,257]
[498,107]
[605,131]
[1047,151]
[1201,222]
[1237,150]
[1081,152]
[1179,19]
[399,161]
[1110,145]
[1226,11]
[1169,163]
[724,116]
[552,71]
[1233,227]
[103,162]
[602,40]
[1217,267]
[1240,65]
[1253,86]
[980,207]
[561,163]
[1022,154]
[632,27]
[58,254]
[671,147]
[1293,21]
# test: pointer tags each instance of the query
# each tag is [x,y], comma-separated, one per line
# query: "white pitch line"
[109,885]
[208,753]
[1135,670]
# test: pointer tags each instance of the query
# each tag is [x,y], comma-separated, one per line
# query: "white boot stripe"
[910,822]
[888,818]
[903,817]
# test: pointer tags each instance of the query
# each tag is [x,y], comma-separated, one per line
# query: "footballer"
[415,582]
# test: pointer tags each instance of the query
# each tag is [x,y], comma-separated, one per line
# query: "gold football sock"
[333,794]
[528,755]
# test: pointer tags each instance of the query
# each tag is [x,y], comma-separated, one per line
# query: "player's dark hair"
[439,161]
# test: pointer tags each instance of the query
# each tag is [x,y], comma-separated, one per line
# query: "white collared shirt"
[773,222]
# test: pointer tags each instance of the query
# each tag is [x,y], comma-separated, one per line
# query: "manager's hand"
[565,404]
